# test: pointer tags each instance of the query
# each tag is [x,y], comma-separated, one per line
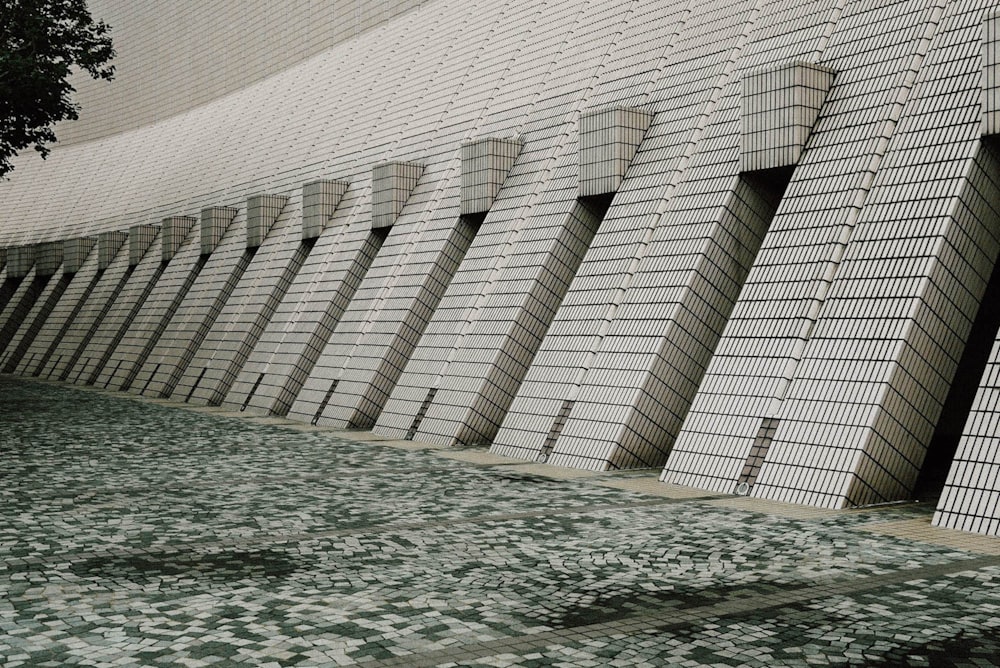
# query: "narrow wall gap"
[195,385]
[295,380]
[198,337]
[768,185]
[51,369]
[253,391]
[277,294]
[957,406]
[65,328]
[419,417]
[557,426]
[85,341]
[156,332]
[37,323]
[150,379]
[108,381]
[323,404]
[79,373]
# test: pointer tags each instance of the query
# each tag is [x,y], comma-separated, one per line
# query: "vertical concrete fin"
[75,252]
[49,257]
[108,244]
[215,220]
[609,139]
[175,231]
[140,237]
[778,109]
[20,260]
[262,212]
[392,183]
[485,165]
[319,202]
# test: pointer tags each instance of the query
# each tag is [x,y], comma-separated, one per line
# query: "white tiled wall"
[608,142]
[991,73]
[448,250]
[150,322]
[145,262]
[778,108]
[65,312]
[251,304]
[163,369]
[113,249]
[75,252]
[175,230]
[775,318]
[175,56]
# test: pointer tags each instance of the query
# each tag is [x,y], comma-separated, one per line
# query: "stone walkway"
[134,533]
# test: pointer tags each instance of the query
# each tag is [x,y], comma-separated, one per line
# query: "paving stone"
[138,533]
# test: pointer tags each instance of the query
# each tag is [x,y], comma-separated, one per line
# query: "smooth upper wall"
[334,114]
[178,55]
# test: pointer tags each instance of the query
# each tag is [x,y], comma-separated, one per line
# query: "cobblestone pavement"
[135,533]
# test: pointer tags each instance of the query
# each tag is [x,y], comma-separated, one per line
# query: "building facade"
[751,243]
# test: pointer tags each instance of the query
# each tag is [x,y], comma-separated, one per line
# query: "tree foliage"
[41,42]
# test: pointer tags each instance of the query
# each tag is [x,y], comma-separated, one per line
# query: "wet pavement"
[140,533]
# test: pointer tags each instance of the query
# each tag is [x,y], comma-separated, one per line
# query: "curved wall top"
[410,89]
[333,115]
[184,53]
